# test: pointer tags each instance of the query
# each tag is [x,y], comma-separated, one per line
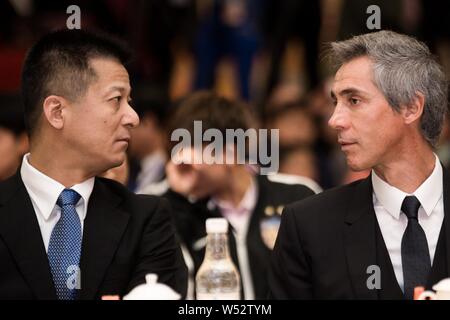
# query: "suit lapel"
[360,239]
[103,228]
[20,231]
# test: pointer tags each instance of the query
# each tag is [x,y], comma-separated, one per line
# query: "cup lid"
[152,290]
[443,285]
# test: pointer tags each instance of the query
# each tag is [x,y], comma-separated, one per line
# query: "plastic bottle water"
[217,278]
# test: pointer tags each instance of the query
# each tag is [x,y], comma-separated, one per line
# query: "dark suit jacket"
[327,242]
[125,237]
[190,221]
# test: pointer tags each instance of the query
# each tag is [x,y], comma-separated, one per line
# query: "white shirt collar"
[45,190]
[152,169]
[152,160]
[428,193]
[246,205]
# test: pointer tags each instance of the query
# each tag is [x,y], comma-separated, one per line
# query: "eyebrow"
[346,92]
[116,88]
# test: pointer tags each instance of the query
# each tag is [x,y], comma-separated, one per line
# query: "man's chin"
[356,166]
[114,163]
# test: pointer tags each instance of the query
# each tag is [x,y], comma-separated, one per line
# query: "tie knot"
[410,207]
[68,197]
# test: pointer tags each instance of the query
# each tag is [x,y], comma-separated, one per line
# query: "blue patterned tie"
[65,247]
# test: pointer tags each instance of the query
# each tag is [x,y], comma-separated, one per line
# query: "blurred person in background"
[13,137]
[284,23]
[300,161]
[251,203]
[294,120]
[227,29]
[147,149]
[298,136]
[162,34]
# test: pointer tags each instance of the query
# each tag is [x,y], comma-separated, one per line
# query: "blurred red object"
[417,292]
[111,297]
[11,60]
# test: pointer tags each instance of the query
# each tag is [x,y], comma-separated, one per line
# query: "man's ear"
[53,111]
[414,110]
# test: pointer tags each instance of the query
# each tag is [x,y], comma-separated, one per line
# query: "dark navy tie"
[416,260]
[65,247]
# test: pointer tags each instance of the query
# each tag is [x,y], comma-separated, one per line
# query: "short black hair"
[59,64]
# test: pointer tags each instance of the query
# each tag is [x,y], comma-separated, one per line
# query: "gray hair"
[402,67]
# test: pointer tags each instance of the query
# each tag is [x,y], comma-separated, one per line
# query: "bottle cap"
[216,225]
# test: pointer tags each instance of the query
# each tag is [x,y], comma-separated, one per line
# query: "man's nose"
[339,119]
[131,118]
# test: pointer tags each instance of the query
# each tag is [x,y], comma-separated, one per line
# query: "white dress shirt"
[44,192]
[152,171]
[387,202]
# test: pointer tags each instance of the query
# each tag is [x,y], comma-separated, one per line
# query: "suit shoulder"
[8,184]
[8,187]
[285,191]
[326,204]
[129,196]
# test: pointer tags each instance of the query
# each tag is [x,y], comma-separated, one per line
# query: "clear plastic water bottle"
[217,278]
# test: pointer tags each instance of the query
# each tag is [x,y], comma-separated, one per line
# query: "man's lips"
[346,143]
[124,139]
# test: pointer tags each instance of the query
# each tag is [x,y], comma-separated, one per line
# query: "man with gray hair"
[381,237]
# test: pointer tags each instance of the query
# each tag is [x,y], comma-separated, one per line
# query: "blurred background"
[265,52]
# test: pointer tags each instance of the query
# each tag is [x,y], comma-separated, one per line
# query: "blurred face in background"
[296,127]
[197,180]
[369,130]
[207,178]
[146,137]
[301,162]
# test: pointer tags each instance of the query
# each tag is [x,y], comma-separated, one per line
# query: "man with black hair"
[65,233]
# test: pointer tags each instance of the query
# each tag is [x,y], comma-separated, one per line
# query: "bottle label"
[218,296]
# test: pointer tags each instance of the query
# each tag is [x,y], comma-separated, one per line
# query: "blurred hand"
[182,178]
